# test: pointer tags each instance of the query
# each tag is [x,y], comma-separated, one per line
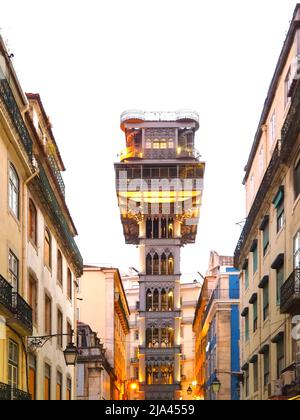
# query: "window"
[254,251]
[266,239]
[33,296]
[297,179]
[69,389]
[171,264]
[247,382]
[287,85]
[297,250]
[58,386]
[32,376]
[13,276]
[280,357]
[266,368]
[149,264]
[13,364]
[59,328]
[156,264]
[149,300]
[279,206]
[14,191]
[47,382]
[69,284]
[163,260]
[59,268]
[279,282]
[69,332]
[32,222]
[255,316]
[266,301]
[48,315]
[246,271]
[155,306]
[171,300]
[247,332]
[47,249]
[164,300]
[272,129]
[255,375]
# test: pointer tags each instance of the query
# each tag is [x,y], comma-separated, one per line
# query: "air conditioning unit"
[287,378]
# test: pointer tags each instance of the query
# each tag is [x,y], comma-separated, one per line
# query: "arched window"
[149,264]
[170,300]
[149,228]
[148,337]
[171,264]
[163,225]
[155,337]
[156,264]
[59,268]
[47,249]
[164,300]
[155,300]
[163,264]
[32,222]
[156,228]
[170,228]
[14,191]
[149,300]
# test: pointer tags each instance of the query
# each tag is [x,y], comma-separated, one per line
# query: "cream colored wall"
[47,283]
[189,294]
[278,105]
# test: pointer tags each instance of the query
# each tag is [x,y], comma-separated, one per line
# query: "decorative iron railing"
[179,153]
[22,311]
[57,173]
[5,294]
[290,293]
[16,117]
[281,154]
[51,202]
[9,393]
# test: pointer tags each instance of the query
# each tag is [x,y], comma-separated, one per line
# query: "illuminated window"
[171,264]
[163,261]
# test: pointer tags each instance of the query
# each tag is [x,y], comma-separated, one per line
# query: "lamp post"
[70,352]
[216,384]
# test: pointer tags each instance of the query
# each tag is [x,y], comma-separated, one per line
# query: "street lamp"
[189,390]
[215,386]
[71,354]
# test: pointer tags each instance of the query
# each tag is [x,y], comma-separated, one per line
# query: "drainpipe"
[24,262]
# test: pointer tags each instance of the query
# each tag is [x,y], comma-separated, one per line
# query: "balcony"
[17,311]
[158,154]
[8,393]
[5,296]
[11,105]
[290,294]
[45,191]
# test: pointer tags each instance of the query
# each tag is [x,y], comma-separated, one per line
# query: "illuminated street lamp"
[215,386]
[189,390]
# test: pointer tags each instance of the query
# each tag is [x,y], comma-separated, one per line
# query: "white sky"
[92,59]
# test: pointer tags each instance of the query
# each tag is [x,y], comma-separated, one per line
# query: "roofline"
[295,25]
[37,97]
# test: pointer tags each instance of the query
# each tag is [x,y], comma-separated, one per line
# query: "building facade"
[268,250]
[39,257]
[102,304]
[189,295]
[216,326]
[159,186]
[95,376]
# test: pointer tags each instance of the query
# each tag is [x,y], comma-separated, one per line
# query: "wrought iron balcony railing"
[290,294]
[57,173]
[5,294]
[15,115]
[281,155]
[22,311]
[179,153]
[9,393]
[48,196]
